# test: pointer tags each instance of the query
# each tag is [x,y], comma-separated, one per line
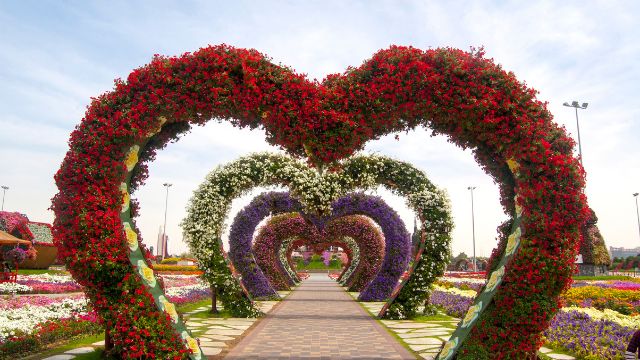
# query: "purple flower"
[397,239]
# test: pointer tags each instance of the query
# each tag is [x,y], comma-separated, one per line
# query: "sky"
[56,55]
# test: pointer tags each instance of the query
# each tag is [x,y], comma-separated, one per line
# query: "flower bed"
[189,293]
[624,301]
[581,329]
[583,336]
[28,322]
[20,318]
[49,332]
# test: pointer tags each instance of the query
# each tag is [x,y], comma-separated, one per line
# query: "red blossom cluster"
[458,94]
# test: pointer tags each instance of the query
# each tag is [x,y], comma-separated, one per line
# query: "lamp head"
[566,104]
[635,194]
[5,187]
[575,104]
[584,105]
[167,184]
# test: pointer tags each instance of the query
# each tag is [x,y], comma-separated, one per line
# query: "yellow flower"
[132,157]
[193,345]
[157,129]
[513,242]
[132,236]
[472,314]
[513,166]
[447,350]
[126,198]
[518,209]
[147,273]
[493,280]
[170,308]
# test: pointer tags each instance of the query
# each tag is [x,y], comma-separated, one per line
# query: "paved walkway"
[319,320]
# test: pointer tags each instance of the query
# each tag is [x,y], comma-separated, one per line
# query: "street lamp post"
[574,104]
[4,192]
[164,228]
[635,195]
[473,229]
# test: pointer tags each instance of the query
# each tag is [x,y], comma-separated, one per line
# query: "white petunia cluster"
[14,288]
[184,290]
[46,278]
[26,318]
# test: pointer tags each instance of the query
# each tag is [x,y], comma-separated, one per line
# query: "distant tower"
[162,244]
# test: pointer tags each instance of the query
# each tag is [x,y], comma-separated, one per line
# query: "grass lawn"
[76,343]
[41,271]
[608,277]
[318,265]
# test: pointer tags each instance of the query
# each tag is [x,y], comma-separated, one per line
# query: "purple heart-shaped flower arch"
[397,239]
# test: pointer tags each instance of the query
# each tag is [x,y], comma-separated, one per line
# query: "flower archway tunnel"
[397,241]
[270,239]
[459,94]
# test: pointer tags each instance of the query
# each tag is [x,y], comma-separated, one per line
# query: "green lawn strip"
[73,344]
[206,314]
[187,307]
[560,350]
[41,271]
[608,277]
[318,265]
[96,355]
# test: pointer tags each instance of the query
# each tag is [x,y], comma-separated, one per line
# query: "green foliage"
[318,264]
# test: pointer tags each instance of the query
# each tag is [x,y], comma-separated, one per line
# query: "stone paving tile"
[420,347]
[318,320]
[80,350]
[60,357]
[224,332]
[210,351]
[559,356]
[415,335]
[218,337]
[424,341]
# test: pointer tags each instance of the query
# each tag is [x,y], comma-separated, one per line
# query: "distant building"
[620,252]
[163,240]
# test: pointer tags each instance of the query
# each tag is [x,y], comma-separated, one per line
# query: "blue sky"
[56,55]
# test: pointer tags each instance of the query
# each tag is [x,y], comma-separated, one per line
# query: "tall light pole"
[635,195]
[164,228]
[473,229]
[4,192]
[574,104]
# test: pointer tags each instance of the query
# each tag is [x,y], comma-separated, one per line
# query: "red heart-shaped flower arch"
[455,93]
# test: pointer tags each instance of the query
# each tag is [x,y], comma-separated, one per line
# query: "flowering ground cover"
[30,322]
[597,321]
[41,284]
